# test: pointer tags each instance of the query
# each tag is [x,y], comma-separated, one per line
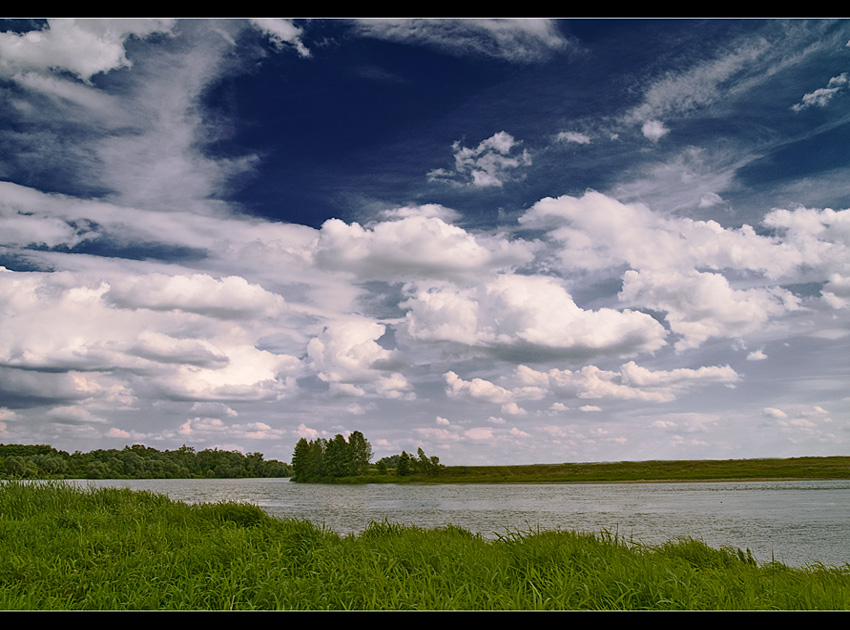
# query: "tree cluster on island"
[134,462]
[325,460]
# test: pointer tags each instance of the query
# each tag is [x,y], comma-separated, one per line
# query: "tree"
[338,457]
[425,465]
[301,459]
[403,467]
[361,452]
[308,460]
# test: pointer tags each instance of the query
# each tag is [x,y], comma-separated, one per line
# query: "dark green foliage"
[339,460]
[424,465]
[134,462]
[361,452]
[321,460]
[403,466]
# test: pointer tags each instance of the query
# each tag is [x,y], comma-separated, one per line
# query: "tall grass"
[62,547]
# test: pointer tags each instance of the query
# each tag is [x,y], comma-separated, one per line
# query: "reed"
[67,548]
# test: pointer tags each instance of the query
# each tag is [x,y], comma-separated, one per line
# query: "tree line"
[134,462]
[324,460]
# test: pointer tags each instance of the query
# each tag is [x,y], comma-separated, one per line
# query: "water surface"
[794,522]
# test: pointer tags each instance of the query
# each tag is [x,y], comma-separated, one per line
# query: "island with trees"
[340,460]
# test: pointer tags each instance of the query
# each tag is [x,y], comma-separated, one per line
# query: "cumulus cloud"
[84,47]
[347,355]
[598,231]
[631,382]
[527,313]
[231,297]
[61,321]
[477,388]
[412,247]
[757,355]
[836,292]
[491,164]
[654,130]
[702,305]
[821,97]
[682,267]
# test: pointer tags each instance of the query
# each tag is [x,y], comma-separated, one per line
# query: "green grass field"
[609,472]
[66,548]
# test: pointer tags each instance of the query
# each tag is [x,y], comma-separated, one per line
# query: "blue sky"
[504,241]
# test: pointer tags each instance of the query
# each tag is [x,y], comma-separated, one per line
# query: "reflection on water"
[794,522]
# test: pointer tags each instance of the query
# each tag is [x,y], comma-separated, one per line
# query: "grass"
[660,470]
[67,548]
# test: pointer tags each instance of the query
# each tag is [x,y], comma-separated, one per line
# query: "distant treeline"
[322,460]
[134,462]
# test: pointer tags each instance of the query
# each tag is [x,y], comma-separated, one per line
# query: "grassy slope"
[66,548]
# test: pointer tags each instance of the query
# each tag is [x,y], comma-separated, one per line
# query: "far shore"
[658,471]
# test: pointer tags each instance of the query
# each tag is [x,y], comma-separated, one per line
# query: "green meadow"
[609,472]
[67,548]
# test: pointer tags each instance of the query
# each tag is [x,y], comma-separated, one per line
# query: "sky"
[505,241]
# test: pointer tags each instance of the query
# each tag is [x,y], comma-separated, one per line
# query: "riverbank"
[67,548]
[795,468]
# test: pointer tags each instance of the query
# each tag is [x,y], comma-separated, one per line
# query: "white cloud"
[836,292]
[773,412]
[632,382]
[532,312]
[477,389]
[201,428]
[518,41]
[347,356]
[573,136]
[480,433]
[282,33]
[65,321]
[677,93]
[428,210]
[492,163]
[412,247]
[84,47]
[670,259]
[702,305]
[597,231]
[231,297]
[654,130]
[757,355]
[821,97]
[513,409]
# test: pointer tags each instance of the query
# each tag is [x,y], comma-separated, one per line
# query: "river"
[797,523]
